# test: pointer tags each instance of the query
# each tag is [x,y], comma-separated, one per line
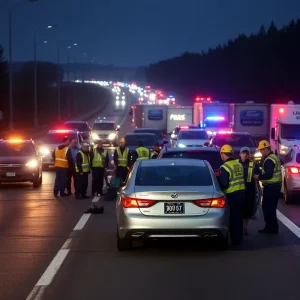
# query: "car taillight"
[214,203]
[294,170]
[136,203]
[217,172]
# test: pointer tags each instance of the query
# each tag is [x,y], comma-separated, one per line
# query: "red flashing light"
[184,127]
[62,130]
[281,110]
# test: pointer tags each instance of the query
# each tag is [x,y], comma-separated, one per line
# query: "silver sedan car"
[167,198]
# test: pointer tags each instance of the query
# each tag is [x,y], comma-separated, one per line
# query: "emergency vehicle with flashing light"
[53,139]
[285,127]
[20,162]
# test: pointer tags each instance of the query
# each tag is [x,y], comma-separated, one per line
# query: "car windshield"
[57,138]
[192,135]
[212,157]
[234,140]
[78,126]
[290,131]
[157,133]
[104,126]
[133,140]
[16,149]
[173,176]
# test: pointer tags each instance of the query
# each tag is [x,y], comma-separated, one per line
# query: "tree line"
[262,67]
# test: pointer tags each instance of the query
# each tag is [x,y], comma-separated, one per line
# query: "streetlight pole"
[58,83]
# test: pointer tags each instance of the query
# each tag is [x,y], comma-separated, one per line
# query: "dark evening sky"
[135,32]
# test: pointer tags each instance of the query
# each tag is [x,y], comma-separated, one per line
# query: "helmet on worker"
[226,152]
[264,147]
[122,142]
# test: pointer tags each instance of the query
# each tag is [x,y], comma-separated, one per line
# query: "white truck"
[285,127]
[213,116]
[253,118]
[178,115]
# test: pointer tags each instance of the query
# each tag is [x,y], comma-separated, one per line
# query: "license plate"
[10,174]
[174,208]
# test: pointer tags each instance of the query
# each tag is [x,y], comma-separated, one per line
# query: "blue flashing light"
[215,118]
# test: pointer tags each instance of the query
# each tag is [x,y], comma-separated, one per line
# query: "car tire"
[222,244]
[286,197]
[38,182]
[123,244]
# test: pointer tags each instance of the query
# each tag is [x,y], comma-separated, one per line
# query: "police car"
[53,139]
[20,162]
[106,131]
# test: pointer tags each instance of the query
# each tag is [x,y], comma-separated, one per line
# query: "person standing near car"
[122,160]
[99,163]
[141,152]
[82,171]
[72,172]
[156,151]
[232,182]
[271,178]
[62,162]
[250,168]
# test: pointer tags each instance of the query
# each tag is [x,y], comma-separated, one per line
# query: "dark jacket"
[256,170]
[79,160]
[268,167]
[69,156]
[116,156]
[100,150]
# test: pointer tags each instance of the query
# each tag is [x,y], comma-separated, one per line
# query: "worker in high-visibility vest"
[122,160]
[83,170]
[142,152]
[156,151]
[251,186]
[232,182]
[63,161]
[99,164]
[271,178]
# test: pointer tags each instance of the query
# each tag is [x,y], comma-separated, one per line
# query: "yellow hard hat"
[226,149]
[263,144]
[122,140]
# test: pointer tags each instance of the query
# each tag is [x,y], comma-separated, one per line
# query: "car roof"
[233,133]
[142,129]
[80,122]
[177,149]
[171,161]
[191,129]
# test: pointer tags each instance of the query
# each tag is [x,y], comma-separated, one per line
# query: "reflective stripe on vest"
[99,159]
[236,176]
[61,158]
[143,153]
[85,163]
[250,171]
[277,175]
[153,153]
[122,158]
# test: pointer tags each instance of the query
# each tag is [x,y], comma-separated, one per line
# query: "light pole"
[11,97]
[36,123]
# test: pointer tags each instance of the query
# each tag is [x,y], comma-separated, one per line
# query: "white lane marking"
[54,266]
[288,223]
[82,221]
[96,199]
[67,244]
[36,293]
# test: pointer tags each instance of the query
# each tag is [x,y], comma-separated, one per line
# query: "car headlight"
[173,136]
[117,102]
[44,151]
[181,145]
[95,136]
[32,164]
[283,149]
[257,154]
[123,102]
[112,136]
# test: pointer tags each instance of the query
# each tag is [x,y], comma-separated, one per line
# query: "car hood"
[192,143]
[15,159]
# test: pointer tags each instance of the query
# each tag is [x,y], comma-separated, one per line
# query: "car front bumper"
[18,174]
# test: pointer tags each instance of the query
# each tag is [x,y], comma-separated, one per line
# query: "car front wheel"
[38,182]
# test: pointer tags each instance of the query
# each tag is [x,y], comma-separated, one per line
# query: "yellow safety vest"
[236,176]
[154,153]
[277,175]
[85,163]
[61,158]
[250,171]
[143,153]
[122,158]
[99,159]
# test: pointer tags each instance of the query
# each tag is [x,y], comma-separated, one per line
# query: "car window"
[19,149]
[234,140]
[57,138]
[133,140]
[212,157]
[298,158]
[192,135]
[104,126]
[173,176]
[156,132]
[78,126]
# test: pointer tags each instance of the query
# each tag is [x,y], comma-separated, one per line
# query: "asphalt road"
[51,250]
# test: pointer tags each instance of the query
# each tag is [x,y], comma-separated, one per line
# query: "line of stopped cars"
[178,195]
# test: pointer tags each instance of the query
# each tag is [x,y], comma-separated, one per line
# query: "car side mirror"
[116,183]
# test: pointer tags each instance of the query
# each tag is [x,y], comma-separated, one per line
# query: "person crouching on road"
[271,179]
[156,151]
[99,164]
[232,182]
[62,161]
[250,168]
[122,160]
[82,171]
[72,172]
